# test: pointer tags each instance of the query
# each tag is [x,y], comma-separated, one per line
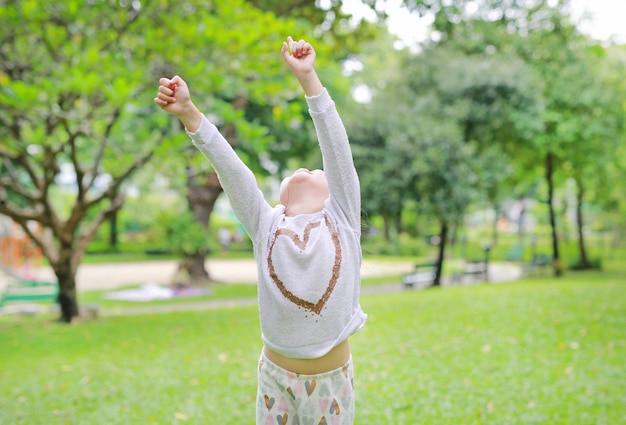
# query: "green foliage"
[595,263]
[182,233]
[402,245]
[77,81]
[470,119]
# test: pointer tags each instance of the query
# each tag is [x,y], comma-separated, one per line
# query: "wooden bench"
[423,273]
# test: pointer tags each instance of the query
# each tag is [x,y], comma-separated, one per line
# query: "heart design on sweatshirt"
[315,306]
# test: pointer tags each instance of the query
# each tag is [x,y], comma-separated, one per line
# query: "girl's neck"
[303,207]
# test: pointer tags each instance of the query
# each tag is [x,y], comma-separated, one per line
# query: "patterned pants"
[287,398]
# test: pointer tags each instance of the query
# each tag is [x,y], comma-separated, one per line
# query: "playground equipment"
[20,289]
[18,256]
[17,250]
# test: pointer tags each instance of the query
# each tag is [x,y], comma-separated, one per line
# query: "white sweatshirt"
[309,264]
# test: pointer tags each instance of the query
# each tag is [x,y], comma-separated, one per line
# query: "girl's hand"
[299,56]
[173,95]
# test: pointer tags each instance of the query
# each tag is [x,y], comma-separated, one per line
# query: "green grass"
[540,351]
[130,256]
[218,292]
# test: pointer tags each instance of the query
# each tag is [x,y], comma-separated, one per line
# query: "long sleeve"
[338,164]
[237,180]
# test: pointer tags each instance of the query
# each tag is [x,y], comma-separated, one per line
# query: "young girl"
[308,255]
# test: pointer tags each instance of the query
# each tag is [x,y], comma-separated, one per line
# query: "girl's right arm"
[237,180]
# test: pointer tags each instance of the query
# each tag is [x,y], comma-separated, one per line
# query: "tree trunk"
[584,260]
[496,216]
[197,267]
[454,236]
[67,299]
[398,224]
[202,193]
[521,221]
[443,237]
[555,239]
[565,228]
[387,225]
[113,230]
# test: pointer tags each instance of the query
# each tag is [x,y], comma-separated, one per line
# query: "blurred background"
[481,129]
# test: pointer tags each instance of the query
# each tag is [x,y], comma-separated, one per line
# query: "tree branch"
[73,154]
[111,192]
[81,244]
[13,182]
[17,214]
[132,17]
[100,154]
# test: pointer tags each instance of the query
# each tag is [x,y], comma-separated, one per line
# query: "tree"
[560,55]
[441,132]
[543,35]
[258,110]
[76,86]
[593,132]
[498,102]
[606,193]
[385,170]
[65,103]
[409,147]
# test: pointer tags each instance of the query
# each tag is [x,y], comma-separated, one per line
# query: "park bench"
[424,273]
[471,271]
[538,264]
[30,291]
[23,290]
[17,288]
[516,253]
[477,270]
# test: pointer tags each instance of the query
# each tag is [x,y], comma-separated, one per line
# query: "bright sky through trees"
[605,19]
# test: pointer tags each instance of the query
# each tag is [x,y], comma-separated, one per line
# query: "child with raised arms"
[308,255]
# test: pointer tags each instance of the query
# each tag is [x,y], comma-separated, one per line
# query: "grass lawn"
[218,292]
[541,351]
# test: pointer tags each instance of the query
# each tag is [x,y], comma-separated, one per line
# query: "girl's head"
[304,192]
